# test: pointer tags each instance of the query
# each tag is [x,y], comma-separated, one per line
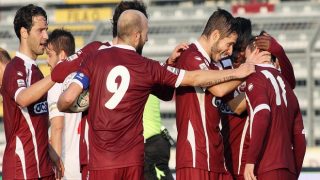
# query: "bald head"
[131,22]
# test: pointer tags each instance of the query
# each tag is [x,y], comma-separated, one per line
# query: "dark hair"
[123,6]
[4,55]
[244,33]
[24,15]
[61,39]
[251,44]
[222,21]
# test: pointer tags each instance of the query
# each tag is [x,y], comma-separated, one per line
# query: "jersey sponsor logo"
[173,70]
[40,108]
[72,57]
[19,73]
[203,66]
[222,106]
[21,83]
[198,58]
[250,87]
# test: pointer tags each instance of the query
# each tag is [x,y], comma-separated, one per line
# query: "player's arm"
[57,125]
[207,78]
[69,96]
[163,92]
[238,104]
[222,89]
[56,119]
[26,96]
[73,62]
[299,142]
[268,43]
[259,114]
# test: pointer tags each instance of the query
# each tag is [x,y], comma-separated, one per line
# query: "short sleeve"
[53,97]
[83,75]
[14,80]
[85,52]
[165,75]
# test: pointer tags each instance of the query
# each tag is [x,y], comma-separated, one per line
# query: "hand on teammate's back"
[63,69]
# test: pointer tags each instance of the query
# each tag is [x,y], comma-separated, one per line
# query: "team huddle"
[237,116]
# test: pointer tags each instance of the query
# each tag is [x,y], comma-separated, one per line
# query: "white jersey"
[70,136]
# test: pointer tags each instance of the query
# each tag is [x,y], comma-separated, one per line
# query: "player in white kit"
[65,134]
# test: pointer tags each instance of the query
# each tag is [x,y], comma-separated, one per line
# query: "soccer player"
[25,105]
[277,140]
[120,89]
[4,60]
[199,143]
[162,92]
[64,133]
[234,118]
[232,123]
[268,43]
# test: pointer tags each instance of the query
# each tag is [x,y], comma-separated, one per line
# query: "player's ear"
[137,38]
[215,36]
[23,33]
[62,55]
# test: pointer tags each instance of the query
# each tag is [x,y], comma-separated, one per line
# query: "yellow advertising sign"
[82,15]
[90,1]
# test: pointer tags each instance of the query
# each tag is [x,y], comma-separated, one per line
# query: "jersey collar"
[202,51]
[125,46]
[266,65]
[25,58]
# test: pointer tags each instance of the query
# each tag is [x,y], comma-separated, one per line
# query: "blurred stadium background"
[295,24]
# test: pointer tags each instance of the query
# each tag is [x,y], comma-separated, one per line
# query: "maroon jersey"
[120,82]
[199,142]
[87,51]
[234,127]
[26,129]
[82,55]
[275,119]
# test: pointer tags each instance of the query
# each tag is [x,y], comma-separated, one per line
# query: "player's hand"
[63,69]
[58,169]
[57,163]
[176,53]
[245,70]
[257,57]
[249,172]
[268,43]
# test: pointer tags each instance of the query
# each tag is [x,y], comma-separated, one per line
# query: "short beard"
[214,49]
[139,49]
[140,46]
